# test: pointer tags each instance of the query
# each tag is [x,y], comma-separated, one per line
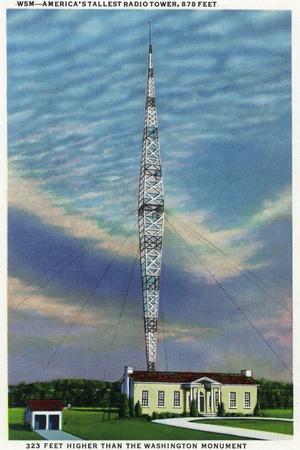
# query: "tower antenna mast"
[150,31]
[150,216]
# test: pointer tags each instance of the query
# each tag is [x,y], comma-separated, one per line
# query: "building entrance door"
[201,402]
[54,422]
[40,422]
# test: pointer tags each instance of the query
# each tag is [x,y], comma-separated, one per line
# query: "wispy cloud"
[29,196]
[181,333]
[278,329]
[32,301]
[241,245]
[273,209]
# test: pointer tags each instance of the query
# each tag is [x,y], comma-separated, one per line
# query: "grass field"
[275,426]
[17,431]
[280,413]
[99,424]
[89,424]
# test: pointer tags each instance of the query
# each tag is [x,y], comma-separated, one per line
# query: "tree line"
[76,392]
[82,392]
[274,394]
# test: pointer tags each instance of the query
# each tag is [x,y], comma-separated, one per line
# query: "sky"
[76,93]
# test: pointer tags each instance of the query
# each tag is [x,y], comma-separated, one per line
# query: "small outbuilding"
[44,414]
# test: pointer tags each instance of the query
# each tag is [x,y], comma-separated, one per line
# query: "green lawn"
[17,431]
[99,424]
[89,424]
[280,413]
[275,426]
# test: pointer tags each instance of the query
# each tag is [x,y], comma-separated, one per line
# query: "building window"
[232,400]
[176,398]
[161,398]
[247,400]
[145,398]
[217,398]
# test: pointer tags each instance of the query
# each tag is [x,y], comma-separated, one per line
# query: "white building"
[44,414]
[174,391]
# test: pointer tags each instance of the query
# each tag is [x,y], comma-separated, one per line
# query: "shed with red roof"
[44,414]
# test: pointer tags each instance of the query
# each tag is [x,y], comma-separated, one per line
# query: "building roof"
[189,377]
[45,405]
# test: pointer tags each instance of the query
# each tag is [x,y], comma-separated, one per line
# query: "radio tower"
[151,216]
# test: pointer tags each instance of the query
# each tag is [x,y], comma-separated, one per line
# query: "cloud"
[278,329]
[27,195]
[241,245]
[181,333]
[90,195]
[33,301]
[92,323]
[276,208]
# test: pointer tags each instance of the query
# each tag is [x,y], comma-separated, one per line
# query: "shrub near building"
[124,407]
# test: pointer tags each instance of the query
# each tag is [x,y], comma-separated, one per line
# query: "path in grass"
[17,431]
[90,425]
[274,426]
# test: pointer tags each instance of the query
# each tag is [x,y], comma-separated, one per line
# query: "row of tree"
[274,394]
[127,408]
[81,392]
[77,392]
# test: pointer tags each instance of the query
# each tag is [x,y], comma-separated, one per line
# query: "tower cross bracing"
[150,217]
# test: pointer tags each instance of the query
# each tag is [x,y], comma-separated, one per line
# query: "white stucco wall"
[30,417]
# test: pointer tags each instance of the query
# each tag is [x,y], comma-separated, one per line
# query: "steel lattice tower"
[151,217]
